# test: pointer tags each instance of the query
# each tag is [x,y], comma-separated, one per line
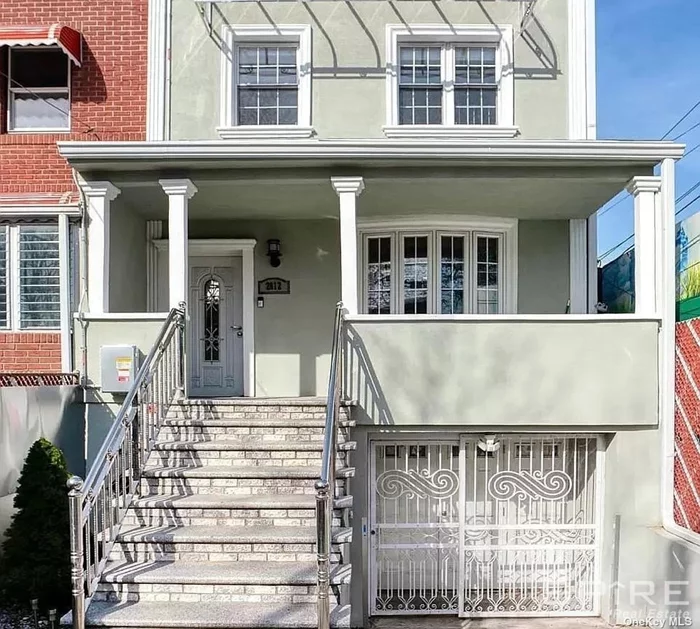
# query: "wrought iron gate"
[495,526]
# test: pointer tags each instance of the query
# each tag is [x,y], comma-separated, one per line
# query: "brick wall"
[108,102]
[22,352]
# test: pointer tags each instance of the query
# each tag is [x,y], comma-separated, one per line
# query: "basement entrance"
[498,525]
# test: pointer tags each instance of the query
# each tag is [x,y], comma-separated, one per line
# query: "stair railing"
[98,505]
[325,485]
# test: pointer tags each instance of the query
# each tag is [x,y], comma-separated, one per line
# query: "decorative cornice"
[449,132]
[644,184]
[382,149]
[100,189]
[352,185]
[178,187]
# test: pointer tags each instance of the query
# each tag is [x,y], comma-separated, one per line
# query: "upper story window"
[439,271]
[38,89]
[444,81]
[266,82]
[447,85]
[267,85]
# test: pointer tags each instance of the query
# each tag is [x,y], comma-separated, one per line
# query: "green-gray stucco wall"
[349,60]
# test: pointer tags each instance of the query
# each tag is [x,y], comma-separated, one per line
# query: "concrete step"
[263,429]
[229,510]
[237,581]
[214,615]
[233,452]
[240,480]
[253,408]
[223,543]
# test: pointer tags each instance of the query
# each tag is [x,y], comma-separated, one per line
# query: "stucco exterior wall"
[293,332]
[349,61]
[504,373]
[127,261]
[543,261]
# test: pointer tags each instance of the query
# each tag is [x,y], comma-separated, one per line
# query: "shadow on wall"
[88,82]
[27,414]
[542,63]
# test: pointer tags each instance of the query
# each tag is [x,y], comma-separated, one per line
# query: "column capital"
[643,184]
[178,187]
[353,185]
[100,190]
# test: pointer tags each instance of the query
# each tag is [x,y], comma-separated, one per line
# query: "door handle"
[237,327]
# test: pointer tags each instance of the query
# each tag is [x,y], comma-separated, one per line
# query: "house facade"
[502,450]
[62,77]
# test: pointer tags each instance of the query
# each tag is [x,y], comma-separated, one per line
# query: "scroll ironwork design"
[423,484]
[553,485]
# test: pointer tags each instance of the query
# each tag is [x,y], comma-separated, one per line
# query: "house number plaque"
[273,286]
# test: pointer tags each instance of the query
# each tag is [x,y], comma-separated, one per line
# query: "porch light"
[274,252]
[489,443]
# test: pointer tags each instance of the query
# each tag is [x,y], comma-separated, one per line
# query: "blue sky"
[648,77]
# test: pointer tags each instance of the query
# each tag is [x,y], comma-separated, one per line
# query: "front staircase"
[223,533]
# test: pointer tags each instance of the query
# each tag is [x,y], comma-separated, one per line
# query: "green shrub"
[35,562]
[689,283]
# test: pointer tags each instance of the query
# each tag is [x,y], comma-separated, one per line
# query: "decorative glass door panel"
[215,308]
[506,526]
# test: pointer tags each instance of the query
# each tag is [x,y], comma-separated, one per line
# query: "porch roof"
[223,154]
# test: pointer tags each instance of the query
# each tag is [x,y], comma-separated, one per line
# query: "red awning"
[53,35]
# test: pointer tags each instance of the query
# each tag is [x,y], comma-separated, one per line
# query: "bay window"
[434,272]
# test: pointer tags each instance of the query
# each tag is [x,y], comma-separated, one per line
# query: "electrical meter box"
[119,364]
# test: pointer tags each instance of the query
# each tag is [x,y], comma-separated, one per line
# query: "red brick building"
[69,70]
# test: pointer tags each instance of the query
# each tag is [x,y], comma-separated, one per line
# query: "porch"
[484,247]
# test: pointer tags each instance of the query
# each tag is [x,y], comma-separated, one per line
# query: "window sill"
[445,132]
[272,132]
[36,131]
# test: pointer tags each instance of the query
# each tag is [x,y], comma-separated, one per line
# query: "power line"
[682,118]
[686,132]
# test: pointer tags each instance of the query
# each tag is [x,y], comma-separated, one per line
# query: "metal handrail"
[325,485]
[98,505]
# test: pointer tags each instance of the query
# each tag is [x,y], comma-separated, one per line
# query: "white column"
[578,265]
[100,195]
[179,192]
[348,189]
[64,271]
[647,254]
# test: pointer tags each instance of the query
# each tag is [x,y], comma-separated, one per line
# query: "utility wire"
[682,118]
[88,128]
[686,132]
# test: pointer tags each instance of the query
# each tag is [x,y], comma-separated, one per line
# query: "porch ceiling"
[515,178]
[552,195]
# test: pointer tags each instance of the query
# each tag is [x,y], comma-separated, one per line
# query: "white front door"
[216,333]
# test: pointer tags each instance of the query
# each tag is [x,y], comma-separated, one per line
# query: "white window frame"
[38,91]
[506,229]
[14,315]
[251,35]
[448,36]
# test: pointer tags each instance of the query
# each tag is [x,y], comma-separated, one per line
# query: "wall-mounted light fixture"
[274,252]
[489,443]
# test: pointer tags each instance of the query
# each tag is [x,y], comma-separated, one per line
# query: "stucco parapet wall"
[103,154]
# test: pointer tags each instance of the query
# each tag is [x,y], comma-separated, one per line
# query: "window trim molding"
[507,228]
[501,34]
[38,91]
[235,34]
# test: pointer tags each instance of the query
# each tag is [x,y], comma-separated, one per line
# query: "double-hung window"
[266,84]
[30,294]
[38,89]
[450,82]
[434,272]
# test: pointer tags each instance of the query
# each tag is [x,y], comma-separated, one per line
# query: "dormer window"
[450,81]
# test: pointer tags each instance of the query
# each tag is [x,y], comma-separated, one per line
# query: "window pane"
[3,277]
[475,105]
[49,111]
[379,275]
[38,67]
[267,67]
[487,274]
[420,65]
[452,274]
[212,313]
[39,277]
[420,105]
[415,275]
